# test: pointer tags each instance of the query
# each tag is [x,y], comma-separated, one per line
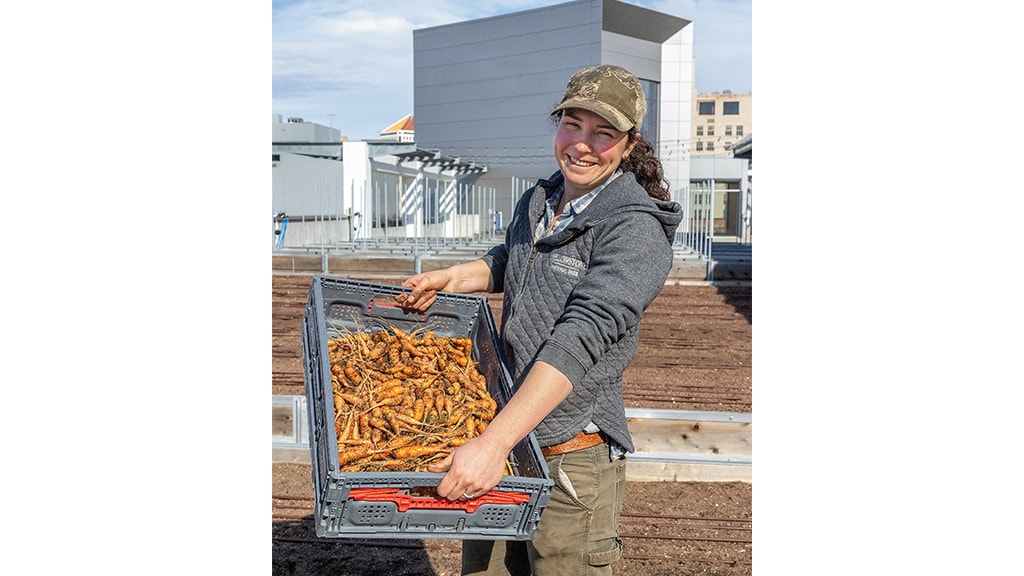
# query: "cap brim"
[609,113]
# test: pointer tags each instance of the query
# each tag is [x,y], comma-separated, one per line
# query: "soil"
[694,354]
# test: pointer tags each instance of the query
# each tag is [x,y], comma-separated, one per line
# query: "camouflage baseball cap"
[609,91]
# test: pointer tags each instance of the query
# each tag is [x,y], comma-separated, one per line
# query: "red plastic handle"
[374,304]
[405,501]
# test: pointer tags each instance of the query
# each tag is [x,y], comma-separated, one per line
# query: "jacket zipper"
[514,305]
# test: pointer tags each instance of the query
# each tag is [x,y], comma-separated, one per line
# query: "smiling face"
[588,149]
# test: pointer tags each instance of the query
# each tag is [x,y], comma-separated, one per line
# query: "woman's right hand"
[425,287]
[473,276]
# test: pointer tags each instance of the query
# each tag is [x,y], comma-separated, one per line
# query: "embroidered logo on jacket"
[567,265]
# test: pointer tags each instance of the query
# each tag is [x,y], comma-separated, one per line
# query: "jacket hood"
[623,194]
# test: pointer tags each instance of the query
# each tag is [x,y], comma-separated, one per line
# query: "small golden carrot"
[415,451]
[348,456]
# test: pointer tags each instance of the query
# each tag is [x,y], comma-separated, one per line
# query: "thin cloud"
[353,59]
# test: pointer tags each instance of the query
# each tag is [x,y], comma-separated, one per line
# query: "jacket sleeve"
[496,258]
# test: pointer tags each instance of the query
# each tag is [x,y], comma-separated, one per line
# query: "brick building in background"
[719,121]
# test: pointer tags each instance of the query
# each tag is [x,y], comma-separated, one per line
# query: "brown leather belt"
[577,442]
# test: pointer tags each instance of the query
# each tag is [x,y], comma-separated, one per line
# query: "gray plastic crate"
[383,504]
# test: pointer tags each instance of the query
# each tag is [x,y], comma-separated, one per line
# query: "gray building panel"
[519,95]
[496,28]
[498,152]
[466,119]
[637,22]
[483,88]
[640,57]
[529,37]
[471,78]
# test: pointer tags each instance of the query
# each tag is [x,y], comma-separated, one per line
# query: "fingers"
[471,470]
[421,299]
[426,301]
[464,488]
[442,466]
[422,295]
[450,487]
[464,494]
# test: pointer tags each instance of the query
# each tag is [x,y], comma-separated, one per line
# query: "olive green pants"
[578,530]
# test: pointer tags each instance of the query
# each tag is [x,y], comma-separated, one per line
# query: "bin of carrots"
[390,390]
[403,400]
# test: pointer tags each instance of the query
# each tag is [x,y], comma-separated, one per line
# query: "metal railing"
[696,231]
[431,216]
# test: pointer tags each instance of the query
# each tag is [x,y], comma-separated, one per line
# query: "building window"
[728,130]
[739,130]
[711,146]
[651,121]
[731,108]
[711,130]
[700,146]
[700,130]
[704,108]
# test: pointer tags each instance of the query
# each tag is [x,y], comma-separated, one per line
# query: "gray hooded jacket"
[575,299]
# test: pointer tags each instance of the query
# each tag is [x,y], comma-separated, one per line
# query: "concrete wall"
[305,186]
[284,131]
[357,197]
[719,168]
[676,95]
[317,232]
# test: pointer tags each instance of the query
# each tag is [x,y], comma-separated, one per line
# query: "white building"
[327,192]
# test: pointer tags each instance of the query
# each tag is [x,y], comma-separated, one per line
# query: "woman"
[585,254]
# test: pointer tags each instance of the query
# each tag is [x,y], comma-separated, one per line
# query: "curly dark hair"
[645,165]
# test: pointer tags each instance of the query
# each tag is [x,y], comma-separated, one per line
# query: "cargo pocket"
[606,557]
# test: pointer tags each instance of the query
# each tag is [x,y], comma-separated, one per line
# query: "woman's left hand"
[471,469]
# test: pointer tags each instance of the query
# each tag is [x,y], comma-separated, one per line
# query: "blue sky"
[353,59]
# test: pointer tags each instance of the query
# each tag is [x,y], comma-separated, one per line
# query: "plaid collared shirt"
[550,225]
